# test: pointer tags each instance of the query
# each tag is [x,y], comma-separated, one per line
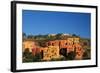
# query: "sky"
[49,22]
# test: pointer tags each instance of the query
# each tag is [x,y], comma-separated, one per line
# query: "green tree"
[27,56]
[58,36]
[30,36]
[71,55]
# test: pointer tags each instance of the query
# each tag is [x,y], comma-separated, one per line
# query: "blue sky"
[47,22]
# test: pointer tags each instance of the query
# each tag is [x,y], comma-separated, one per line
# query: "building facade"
[52,49]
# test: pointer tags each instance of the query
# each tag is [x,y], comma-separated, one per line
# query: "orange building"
[71,44]
[28,45]
[53,48]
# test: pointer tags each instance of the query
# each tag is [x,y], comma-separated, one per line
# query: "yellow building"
[76,40]
[51,52]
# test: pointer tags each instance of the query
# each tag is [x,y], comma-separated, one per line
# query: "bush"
[37,58]
[87,54]
[27,56]
[71,55]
